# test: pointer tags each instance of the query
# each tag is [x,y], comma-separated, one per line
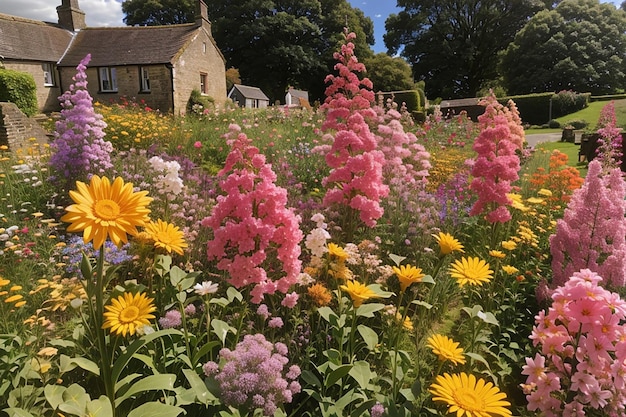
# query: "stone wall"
[17,130]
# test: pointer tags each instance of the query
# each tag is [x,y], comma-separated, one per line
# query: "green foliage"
[452,44]
[19,88]
[158,12]
[412,100]
[533,108]
[579,45]
[578,124]
[198,103]
[567,101]
[389,73]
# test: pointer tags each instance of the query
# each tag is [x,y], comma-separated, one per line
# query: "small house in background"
[297,98]
[451,108]
[157,65]
[248,97]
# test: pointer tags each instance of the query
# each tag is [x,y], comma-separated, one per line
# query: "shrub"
[554,124]
[19,88]
[578,123]
[566,102]
[197,103]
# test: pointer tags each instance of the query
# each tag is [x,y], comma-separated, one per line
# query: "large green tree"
[158,12]
[580,46]
[453,44]
[389,73]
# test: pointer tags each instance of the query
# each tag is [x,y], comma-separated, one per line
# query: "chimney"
[70,16]
[202,15]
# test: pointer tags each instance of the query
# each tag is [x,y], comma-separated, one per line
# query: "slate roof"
[135,45]
[251,92]
[31,40]
[299,94]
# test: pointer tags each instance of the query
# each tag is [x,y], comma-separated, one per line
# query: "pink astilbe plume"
[610,149]
[356,178]
[592,232]
[497,164]
[256,238]
[580,365]
[79,149]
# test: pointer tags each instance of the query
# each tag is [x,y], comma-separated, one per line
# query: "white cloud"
[377,15]
[98,13]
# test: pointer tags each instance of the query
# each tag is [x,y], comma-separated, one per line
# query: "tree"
[232,78]
[579,46]
[453,44]
[158,12]
[389,73]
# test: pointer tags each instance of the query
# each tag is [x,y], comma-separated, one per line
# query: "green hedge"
[534,109]
[414,99]
[19,88]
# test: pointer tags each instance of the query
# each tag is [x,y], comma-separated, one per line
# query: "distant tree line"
[456,48]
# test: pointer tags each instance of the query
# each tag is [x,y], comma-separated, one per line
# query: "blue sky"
[109,12]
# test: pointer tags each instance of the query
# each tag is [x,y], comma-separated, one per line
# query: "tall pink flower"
[497,164]
[256,238]
[610,149]
[581,361]
[355,179]
[592,232]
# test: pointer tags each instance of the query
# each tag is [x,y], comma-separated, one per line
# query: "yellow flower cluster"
[63,292]
[12,295]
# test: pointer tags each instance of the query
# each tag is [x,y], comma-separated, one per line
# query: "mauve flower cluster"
[253,376]
[582,362]
[356,176]
[454,198]
[253,230]
[610,149]
[497,164]
[78,149]
[72,253]
[592,232]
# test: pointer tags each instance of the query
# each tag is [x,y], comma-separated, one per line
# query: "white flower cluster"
[168,182]
[316,239]
[26,169]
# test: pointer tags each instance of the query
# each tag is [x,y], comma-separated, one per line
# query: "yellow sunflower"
[358,292]
[127,313]
[446,349]
[466,396]
[473,271]
[407,275]
[447,243]
[104,209]
[166,236]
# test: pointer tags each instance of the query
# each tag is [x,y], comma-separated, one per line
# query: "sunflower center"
[129,314]
[467,399]
[107,209]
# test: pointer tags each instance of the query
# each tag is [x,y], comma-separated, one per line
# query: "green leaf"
[205,349]
[378,289]
[75,400]
[17,412]
[221,329]
[361,373]
[326,313]
[100,407]
[154,409]
[176,276]
[369,336]
[488,318]
[478,358]
[422,303]
[201,391]
[86,364]
[232,294]
[310,378]
[149,383]
[163,264]
[126,380]
[397,259]
[181,296]
[337,374]
[54,395]
[368,310]
[427,279]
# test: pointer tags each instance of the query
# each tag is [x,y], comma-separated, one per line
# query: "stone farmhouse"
[157,65]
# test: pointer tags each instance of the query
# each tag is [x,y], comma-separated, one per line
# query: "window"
[204,47]
[108,79]
[48,74]
[203,86]
[145,79]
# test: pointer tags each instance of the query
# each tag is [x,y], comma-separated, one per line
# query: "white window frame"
[48,74]
[145,79]
[108,79]
[203,82]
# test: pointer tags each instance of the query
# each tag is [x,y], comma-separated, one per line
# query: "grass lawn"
[591,114]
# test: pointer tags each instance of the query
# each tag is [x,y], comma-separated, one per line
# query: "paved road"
[537,138]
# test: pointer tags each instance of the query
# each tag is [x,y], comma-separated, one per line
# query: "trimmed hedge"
[534,109]
[19,88]
[414,99]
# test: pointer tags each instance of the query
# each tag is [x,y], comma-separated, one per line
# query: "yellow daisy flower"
[446,349]
[407,324]
[104,209]
[167,236]
[510,269]
[497,254]
[509,245]
[407,275]
[447,243]
[358,292]
[127,313]
[545,192]
[466,396]
[336,251]
[473,271]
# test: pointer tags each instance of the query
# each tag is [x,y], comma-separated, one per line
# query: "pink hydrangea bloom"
[582,360]
[253,230]
[592,232]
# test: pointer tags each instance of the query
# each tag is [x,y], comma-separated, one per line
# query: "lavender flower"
[253,375]
[72,254]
